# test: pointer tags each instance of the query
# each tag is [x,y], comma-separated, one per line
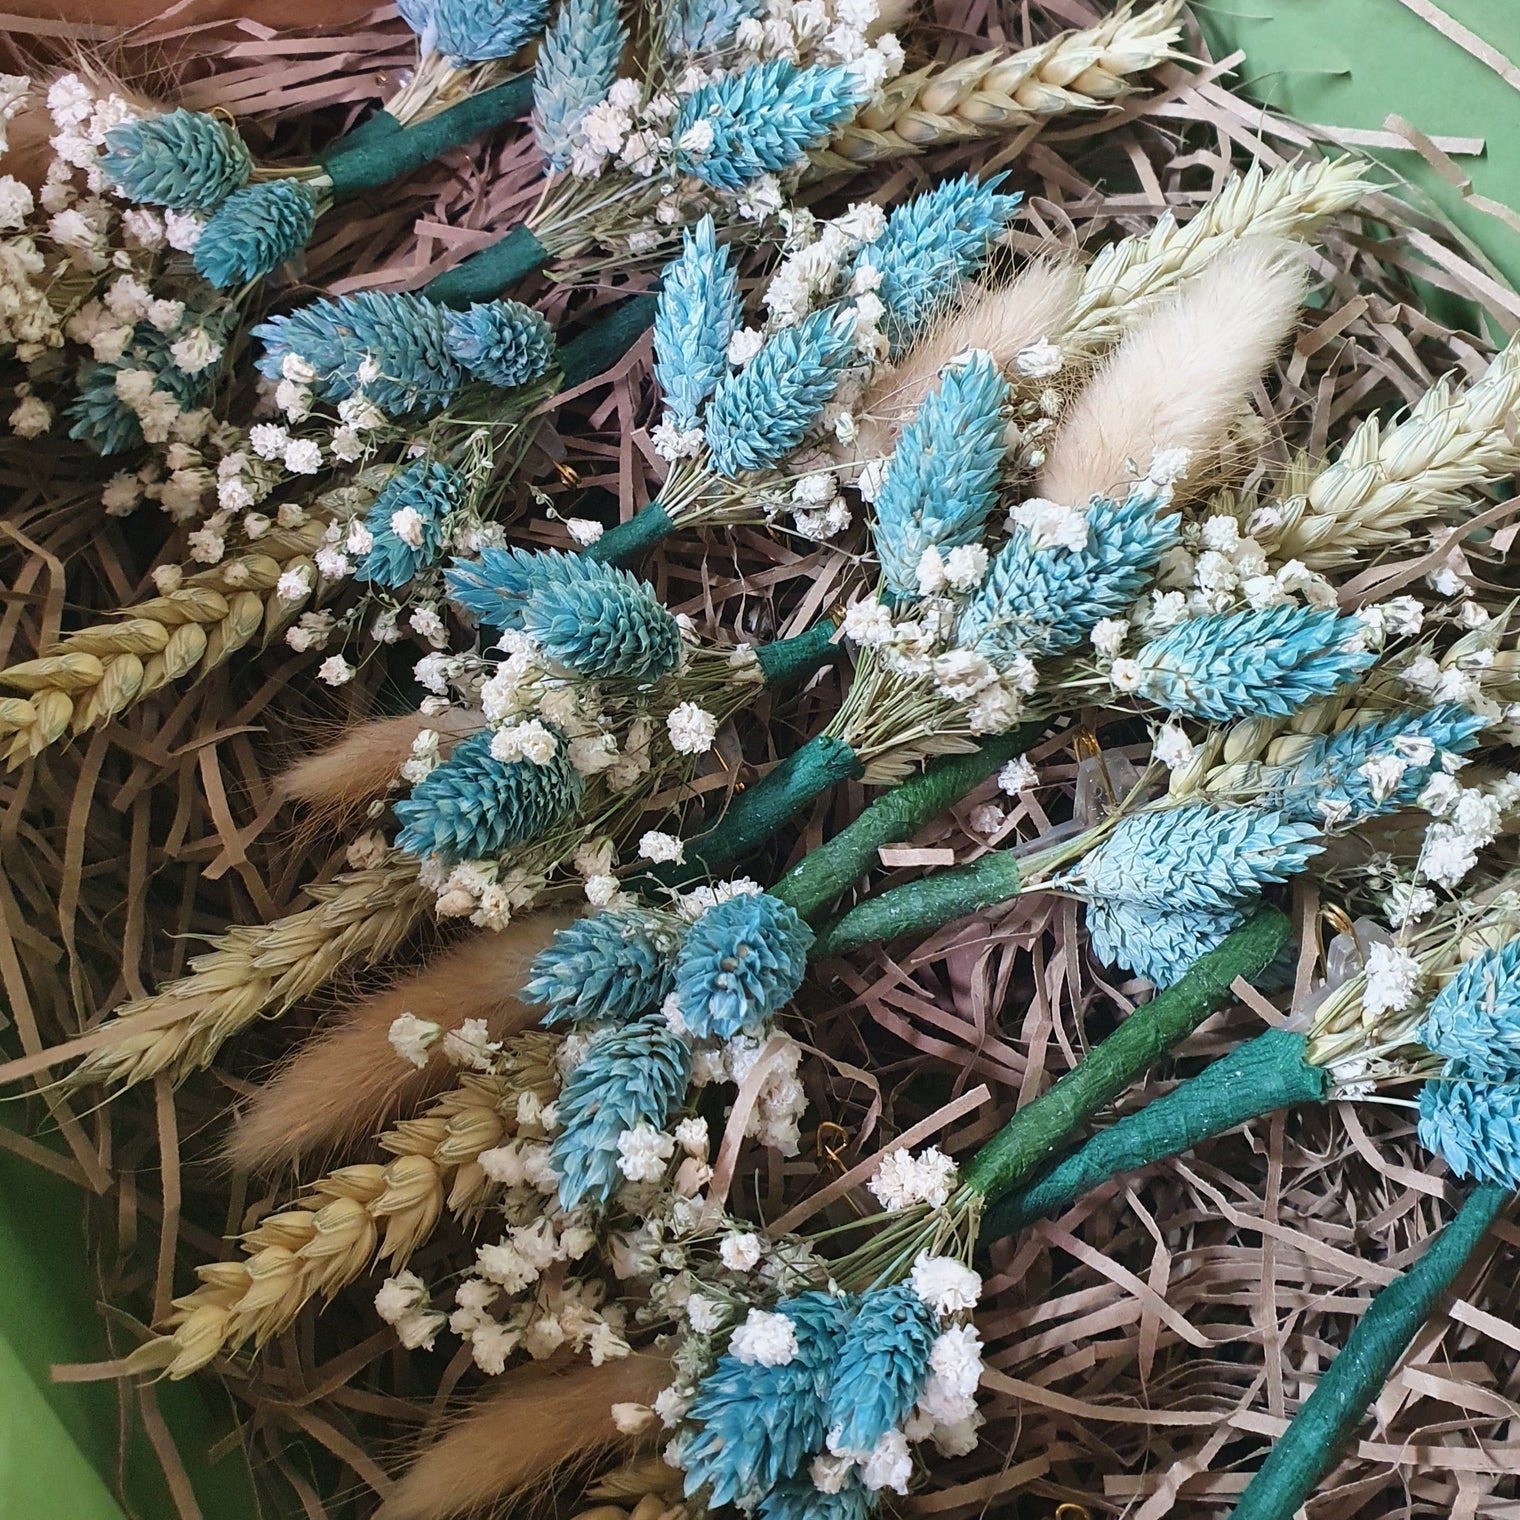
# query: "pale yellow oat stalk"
[97,673]
[351,1217]
[259,971]
[1000,92]
[1389,477]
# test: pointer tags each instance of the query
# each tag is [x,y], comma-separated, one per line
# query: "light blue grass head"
[1474,1020]
[435,492]
[577,62]
[882,1366]
[1155,944]
[254,231]
[697,314]
[613,965]
[185,160]
[739,964]
[632,1075]
[504,343]
[1474,1126]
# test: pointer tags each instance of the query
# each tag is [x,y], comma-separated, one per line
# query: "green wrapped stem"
[373,156]
[373,129]
[484,275]
[626,542]
[1260,1077]
[596,350]
[768,806]
[788,662]
[897,815]
[1313,1441]
[919,906]
[1036,1132]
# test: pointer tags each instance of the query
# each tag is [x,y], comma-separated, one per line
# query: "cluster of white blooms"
[628,130]
[1393,979]
[1049,524]
[403,1304]
[764,1340]
[819,511]
[827,32]
[480,890]
[569,1312]
[903,1179]
[1466,819]
[819,255]
[961,570]
[1018,776]
[469,1046]
[692,729]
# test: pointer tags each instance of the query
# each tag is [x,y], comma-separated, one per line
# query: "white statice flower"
[1393,979]
[661,848]
[986,818]
[902,1179]
[410,1038]
[1172,747]
[1448,855]
[1039,361]
[643,1153]
[470,1045]
[889,1466]
[744,345]
[196,351]
[830,1473]
[1108,635]
[530,741]
[31,418]
[672,443]
[692,729]
[335,671]
[1018,776]
[303,456]
[965,567]
[268,440]
[399,1296]
[1168,466]
[1050,524]
[741,1253]
[764,1340]
[945,1284]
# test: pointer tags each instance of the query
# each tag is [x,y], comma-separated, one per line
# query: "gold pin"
[1340,920]
[566,474]
[830,1131]
[1070,1511]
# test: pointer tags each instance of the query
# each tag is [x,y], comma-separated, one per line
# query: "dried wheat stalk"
[997,92]
[1389,477]
[352,1216]
[261,970]
[100,671]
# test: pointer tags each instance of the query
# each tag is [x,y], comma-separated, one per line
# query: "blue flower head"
[704,26]
[186,160]
[1198,857]
[476,31]
[942,480]
[254,231]
[1473,1126]
[406,337]
[740,962]
[881,1368]
[474,806]
[800,1498]
[1475,1018]
[592,618]
[1153,943]
[697,314]
[632,1075]
[1327,781]
[761,413]
[501,342]
[577,61]
[435,492]
[763,120]
[614,965]
[760,1424]
[1038,602]
[930,244]
[1263,664]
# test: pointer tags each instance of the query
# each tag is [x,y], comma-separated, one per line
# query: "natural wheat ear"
[347,1082]
[1182,378]
[361,764]
[531,1426]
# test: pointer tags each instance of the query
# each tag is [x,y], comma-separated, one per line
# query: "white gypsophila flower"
[268,440]
[692,729]
[196,351]
[1126,675]
[470,1045]
[1408,904]
[1050,524]
[830,1473]
[366,852]
[930,572]
[399,1296]
[31,418]
[902,1179]
[672,443]
[335,671]
[303,456]
[1108,635]
[643,1153]
[1383,773]
[206,546]
[956,1356]
[1039,361]
[704,1315]
[1448,855]
[744,345]
[661,848]
[986,818]
[691,1134]
[764,1340]
[418,1330]
[410,1038]
[1172,747]
[504,1264]
[1478,816]
[741,1253]
[943,1404]
[121,494]
[944,1284]
[584,530]
[1393,978]
[293,400]
[965,567]
[407,524]
[1168,466]
[359,540]
[961,673]
[958,1438]
[890,1465]
[529,741]
[1018,776]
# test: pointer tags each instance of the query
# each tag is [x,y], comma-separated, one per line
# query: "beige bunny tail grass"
[329,1235]
[347,1081]
[365,760]
[1004,321]
[998,92]
[521,1434]
[1128,277]
[1181,378]
[256,971]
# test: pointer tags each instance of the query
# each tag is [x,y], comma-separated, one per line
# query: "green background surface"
[1342,63]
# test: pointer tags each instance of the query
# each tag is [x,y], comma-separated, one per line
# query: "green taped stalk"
[1038,1131]
[1315,1437]
[596,350]
[373,155]
[893,817]
[484,275]
[626,542]
[1260,1077]
[787,662]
